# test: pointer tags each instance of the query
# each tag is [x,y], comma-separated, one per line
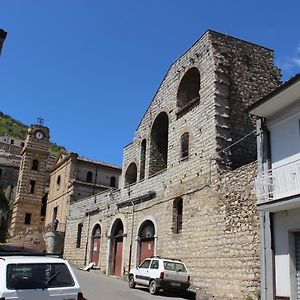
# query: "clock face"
[39,135]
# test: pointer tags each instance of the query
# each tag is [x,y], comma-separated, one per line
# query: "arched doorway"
[146,238]
[116,248]
[96,244]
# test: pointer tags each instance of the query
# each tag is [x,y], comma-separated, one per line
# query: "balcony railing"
[278,183]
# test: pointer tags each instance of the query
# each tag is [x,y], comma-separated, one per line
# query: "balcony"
[278,183]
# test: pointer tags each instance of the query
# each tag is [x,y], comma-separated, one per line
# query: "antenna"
[40,121]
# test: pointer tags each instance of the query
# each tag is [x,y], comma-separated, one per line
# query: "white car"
[37,277]
[160,273]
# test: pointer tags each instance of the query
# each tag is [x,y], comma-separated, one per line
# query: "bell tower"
[27,208]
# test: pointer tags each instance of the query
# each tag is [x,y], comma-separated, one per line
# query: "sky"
[91,68]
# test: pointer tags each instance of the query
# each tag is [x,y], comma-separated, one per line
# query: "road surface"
[97,286]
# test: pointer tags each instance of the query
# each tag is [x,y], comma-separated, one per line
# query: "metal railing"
[278,183]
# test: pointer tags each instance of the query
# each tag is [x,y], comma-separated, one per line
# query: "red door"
[96,250]
[147,248]
[118,257]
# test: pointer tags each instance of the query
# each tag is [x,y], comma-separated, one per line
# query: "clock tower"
[28,208]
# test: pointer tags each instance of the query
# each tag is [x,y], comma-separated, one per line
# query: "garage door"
[298,264]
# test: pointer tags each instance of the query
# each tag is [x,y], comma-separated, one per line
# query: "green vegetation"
[12,127]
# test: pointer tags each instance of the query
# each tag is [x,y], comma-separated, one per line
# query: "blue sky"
[90,68]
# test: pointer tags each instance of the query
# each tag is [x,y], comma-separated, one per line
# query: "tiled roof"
[99,163]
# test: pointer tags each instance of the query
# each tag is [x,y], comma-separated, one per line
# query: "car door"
[154,269]
[142,274]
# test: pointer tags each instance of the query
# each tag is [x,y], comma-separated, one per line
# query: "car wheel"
[153,288]
[131,282]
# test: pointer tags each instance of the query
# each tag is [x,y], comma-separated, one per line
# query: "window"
[89,177]
[1,171]
[27,219]
[177,215]
[131,174]
[12,141]
[32,186]
[112,181]
[174,266]
[154,264]
[145,264]
[143,160]
[22,144]
[38,276]
[159,144]
[185,145]
[58,180]
[35,165]
[188,90]
[79,233]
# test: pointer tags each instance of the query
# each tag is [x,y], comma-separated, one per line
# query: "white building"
[278,189]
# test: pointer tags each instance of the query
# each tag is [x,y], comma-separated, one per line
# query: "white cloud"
[291,64]
[296,61]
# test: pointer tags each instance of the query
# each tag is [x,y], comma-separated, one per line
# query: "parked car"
[160,273]
[37,277]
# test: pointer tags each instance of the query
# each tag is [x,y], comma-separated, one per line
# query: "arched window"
[35,165]
[188,90]
[143,160]
[58,180]
[89,177]
[184,145]
[177,215]
[79,233]
[131,174]
[112,181]
[159,144]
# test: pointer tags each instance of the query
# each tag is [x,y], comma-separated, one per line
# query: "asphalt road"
[96,286]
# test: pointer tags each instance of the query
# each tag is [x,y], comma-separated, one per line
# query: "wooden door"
[118,257]
[147,248]
[96,250]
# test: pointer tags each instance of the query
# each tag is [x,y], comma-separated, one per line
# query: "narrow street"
[96,286]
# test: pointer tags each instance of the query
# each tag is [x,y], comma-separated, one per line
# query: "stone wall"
[218,240]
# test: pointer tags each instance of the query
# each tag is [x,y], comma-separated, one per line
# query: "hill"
[15,128]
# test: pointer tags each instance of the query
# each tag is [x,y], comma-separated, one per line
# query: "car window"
[154,264]
[145,264]
[38,276]
[174,266]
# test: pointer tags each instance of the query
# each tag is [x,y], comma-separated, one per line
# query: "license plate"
[175,284]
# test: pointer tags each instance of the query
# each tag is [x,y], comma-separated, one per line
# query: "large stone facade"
[186,187]
[73,177]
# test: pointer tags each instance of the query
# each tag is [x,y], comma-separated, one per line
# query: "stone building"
[186,187]
[29,207]
[73,177]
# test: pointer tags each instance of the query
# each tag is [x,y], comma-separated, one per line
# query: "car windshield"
[174,266]
[38,276]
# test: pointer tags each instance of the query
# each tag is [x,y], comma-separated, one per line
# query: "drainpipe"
[87,240]
[131,237]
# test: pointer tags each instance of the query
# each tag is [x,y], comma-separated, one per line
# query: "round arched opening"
[131,174]
[146,240]
[96,244]
[116,248]
[188,90]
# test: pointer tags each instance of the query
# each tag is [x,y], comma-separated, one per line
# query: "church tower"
[28,209]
